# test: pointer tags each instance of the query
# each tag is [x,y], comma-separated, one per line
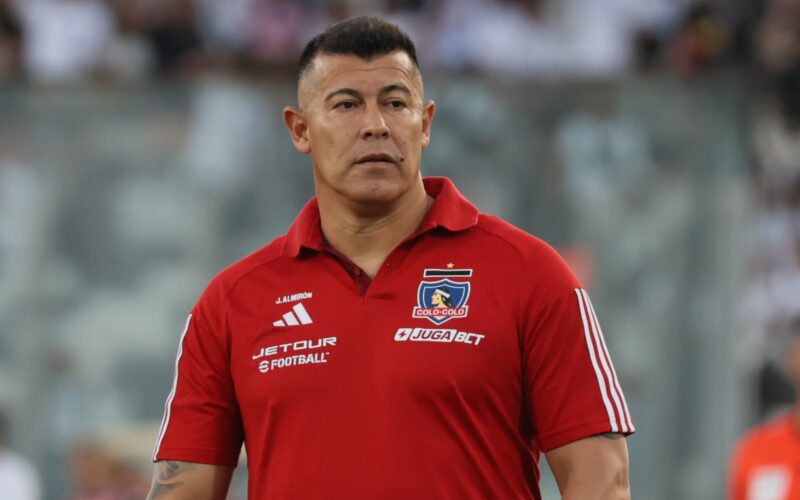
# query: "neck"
[367,234]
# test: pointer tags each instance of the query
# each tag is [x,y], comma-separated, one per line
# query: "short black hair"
[364,36]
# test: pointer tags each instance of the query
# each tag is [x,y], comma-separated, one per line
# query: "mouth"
[376,158]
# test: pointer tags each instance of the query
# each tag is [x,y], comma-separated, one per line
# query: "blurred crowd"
[772,305]
[96,472]
[58,41]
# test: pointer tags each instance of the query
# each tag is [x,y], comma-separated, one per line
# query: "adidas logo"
[297,316]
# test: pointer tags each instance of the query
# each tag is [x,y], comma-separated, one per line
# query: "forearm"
[592,486]
[174,480]
[595,468]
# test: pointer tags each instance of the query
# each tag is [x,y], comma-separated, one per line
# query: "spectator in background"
[277,31]
[704,38]
[772,296]
[64,40]
[10,42]
[128,55]
[96,474]
[18,478]
[764,463]
[175,38]
[545,38]
[777,45]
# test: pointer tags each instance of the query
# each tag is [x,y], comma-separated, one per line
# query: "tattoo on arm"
[167,477]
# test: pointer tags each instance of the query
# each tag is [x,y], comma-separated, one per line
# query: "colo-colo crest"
[441,296]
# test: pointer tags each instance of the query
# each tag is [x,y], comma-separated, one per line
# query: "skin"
[174,480]
[350,109]
[594,468]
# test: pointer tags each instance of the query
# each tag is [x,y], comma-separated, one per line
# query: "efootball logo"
[440,298]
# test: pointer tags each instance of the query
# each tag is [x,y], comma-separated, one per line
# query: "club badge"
[442,295]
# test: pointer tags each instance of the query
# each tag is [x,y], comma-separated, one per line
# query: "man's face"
[365,125]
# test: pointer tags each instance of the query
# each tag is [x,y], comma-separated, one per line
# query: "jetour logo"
[444,299]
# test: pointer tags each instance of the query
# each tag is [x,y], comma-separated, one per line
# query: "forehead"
[334,71]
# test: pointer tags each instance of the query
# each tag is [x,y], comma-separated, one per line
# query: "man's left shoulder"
[536,260]
[528,246]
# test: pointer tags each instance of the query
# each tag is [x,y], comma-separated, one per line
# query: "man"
[325,353]
[764,463]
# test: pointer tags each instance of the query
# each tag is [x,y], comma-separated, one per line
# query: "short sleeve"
[571,387]
[202,422]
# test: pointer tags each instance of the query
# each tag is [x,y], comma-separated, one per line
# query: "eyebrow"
[346,91]
[391,88]
[354,93]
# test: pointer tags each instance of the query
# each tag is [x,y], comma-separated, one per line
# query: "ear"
[298,128]
[427,117]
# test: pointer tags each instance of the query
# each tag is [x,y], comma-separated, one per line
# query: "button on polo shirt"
[472,350]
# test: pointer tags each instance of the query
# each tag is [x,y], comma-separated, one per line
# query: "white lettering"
[402,334]
[447,335]
[294,359]
[297,359]
[300,345]
[293,297]
[440,312]
[442,335]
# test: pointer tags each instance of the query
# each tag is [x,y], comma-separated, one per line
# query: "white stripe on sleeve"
[600,380]
[603,355]
[627,414]
[168,404]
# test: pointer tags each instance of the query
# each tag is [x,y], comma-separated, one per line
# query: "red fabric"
[765,462]
[379,413]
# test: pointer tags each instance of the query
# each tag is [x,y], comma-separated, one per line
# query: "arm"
[174,480]
[594,468]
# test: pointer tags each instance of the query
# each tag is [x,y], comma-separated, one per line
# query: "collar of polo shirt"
[450,210]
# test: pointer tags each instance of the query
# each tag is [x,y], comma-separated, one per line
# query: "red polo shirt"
[472,350]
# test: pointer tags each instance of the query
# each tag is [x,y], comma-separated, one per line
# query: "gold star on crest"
[450,265]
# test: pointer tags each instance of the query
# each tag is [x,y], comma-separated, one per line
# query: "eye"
[345,105]
[397,104]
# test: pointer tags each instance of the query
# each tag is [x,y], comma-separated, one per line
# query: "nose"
[375,126]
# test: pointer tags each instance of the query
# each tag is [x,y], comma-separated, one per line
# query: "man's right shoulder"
[228,278]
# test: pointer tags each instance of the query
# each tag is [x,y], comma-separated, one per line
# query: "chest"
[419,332]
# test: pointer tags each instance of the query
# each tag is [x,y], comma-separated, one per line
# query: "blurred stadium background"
[655,143]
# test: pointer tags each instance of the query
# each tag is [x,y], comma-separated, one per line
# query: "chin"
[376,186]
[376,192]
